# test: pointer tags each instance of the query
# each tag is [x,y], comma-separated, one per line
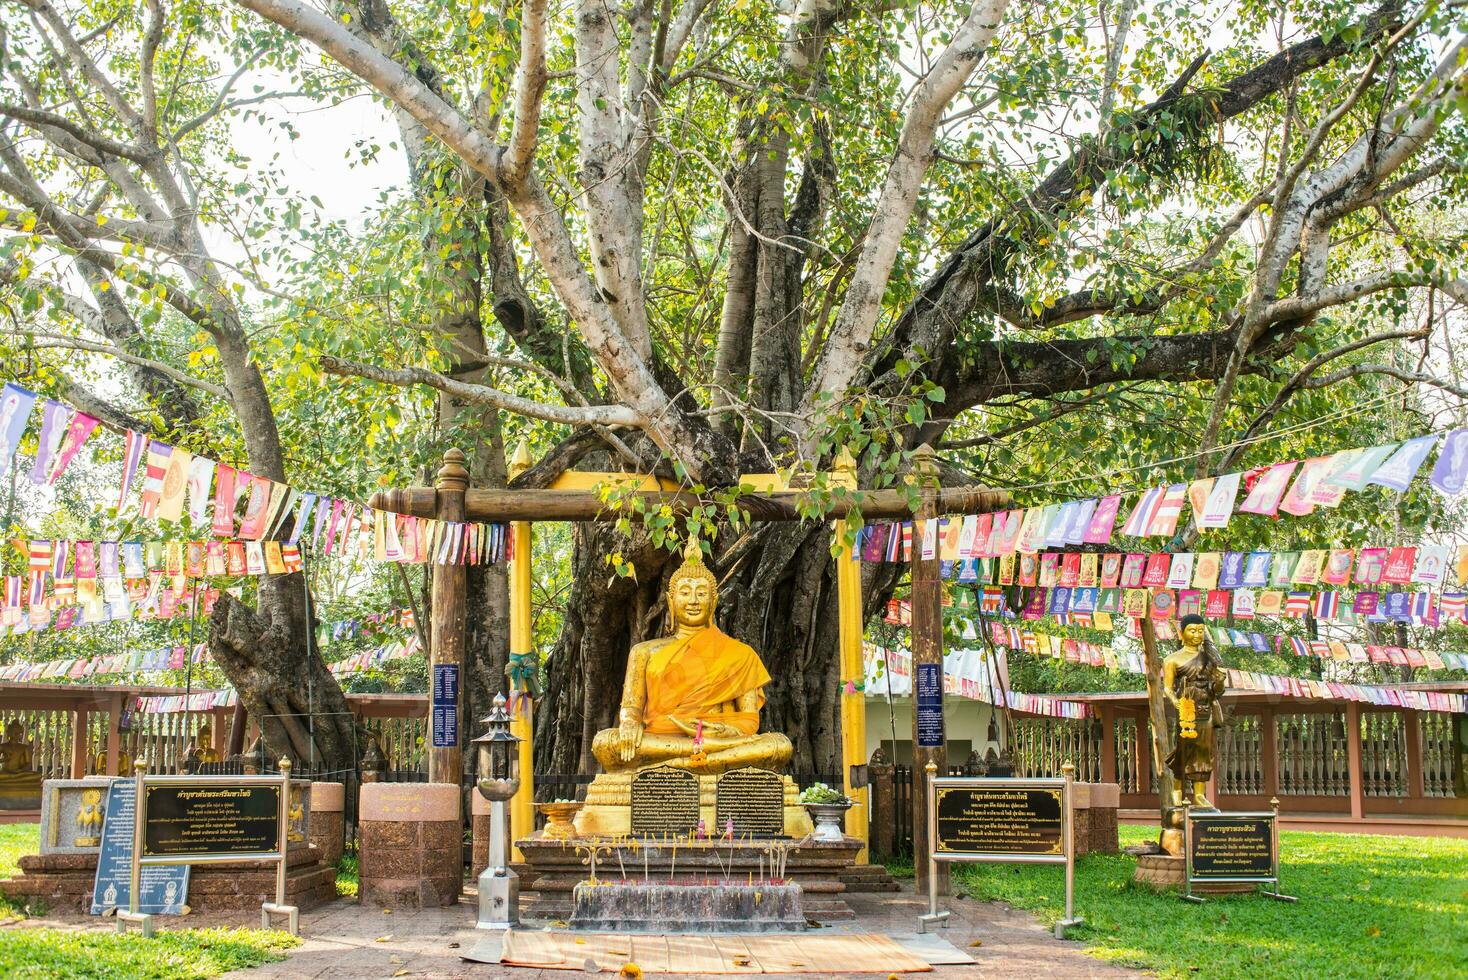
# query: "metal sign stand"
[144,920]
[1067,857]
[1271,879]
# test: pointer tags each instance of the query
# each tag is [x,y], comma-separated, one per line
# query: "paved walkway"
[344,939]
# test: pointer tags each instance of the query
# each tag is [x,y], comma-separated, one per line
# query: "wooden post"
[1157,714]
[1108,743]
[1412,731]
[80,743]
[1268,751]
[927,649]
[883,796]
[1353,759]
[445,762]
[853,670]
[114,737]
[522,721]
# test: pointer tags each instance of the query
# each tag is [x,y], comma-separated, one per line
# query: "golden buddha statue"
[1193,682]
[201,750]
[692,700]
[20,786]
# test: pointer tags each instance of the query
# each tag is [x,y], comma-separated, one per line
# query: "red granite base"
[64,882]
[416,864]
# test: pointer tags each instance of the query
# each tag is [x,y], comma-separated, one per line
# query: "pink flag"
[224,502]
[1270,487]
[1141,516]
[1169,509]
[77,432]
[1104,520]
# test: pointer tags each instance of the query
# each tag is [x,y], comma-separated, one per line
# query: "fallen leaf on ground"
[383,939]
[976,943]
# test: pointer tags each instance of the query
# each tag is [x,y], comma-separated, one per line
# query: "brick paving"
[344,939]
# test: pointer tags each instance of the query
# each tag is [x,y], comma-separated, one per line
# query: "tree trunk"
[296,701]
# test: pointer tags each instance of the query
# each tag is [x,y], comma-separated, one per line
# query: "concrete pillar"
[328,820]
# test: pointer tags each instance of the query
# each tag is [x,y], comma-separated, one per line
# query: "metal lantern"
[499,779]
[499,755]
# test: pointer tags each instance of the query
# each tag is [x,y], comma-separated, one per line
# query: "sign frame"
[144,920]
[1203,816]
[1066,857]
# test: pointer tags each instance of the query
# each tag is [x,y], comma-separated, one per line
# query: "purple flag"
[1398,471]
[1451,471]
[15,411]
[53,426]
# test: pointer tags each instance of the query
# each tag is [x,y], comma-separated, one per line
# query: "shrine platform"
[64,882]
[825,872]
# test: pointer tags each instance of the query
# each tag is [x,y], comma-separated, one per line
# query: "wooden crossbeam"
[587,505]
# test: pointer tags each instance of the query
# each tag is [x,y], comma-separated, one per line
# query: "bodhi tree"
[114,196]
[729,238]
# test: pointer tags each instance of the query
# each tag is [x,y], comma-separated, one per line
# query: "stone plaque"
[664,801]
[754,799]
[210,818]
[1000,820]
[1223,846]
[165,887]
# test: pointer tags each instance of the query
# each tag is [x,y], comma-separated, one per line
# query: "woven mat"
[709,954]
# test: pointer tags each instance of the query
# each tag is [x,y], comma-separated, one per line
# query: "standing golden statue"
[692,700]
[1193,681]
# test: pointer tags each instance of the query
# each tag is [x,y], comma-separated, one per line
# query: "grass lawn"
[182,953]
[1369,907]
[346,875]
[15,839]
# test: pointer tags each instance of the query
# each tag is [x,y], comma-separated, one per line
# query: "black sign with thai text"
[1000,820]
[210,818]
[750,802]
[1228,846]
[664,801]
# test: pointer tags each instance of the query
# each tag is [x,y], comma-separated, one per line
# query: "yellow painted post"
[522,724]
[853,671]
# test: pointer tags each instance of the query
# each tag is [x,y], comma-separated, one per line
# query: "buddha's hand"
[629,739]
[711,729]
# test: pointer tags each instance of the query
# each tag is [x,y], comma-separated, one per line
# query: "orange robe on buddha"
[696,678]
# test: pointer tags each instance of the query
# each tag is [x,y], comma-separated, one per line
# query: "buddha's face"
[13,732]
[1194,633]
[692,602]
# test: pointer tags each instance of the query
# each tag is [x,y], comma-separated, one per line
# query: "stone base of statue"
[687,906]
[608,810]
[1165,872]
[553,869]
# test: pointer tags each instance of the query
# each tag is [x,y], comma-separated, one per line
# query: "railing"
[1241,757]
[1313,758]
[1438,754]
[1383,753]
[1043,745]
[49,734]
[402,741]
[1129,776]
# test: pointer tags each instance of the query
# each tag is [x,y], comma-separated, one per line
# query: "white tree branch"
[857,318]
[387,76]
[530,80]
[604,415]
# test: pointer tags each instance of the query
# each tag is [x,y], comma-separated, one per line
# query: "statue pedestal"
[608,810]
[824,871]
[1166,871]
[664,907]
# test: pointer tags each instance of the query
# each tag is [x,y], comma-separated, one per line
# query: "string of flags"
[1268,490]
[80,668]
[175,482]
[974,674]
[367,659]
[1083,652]
[227,697]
